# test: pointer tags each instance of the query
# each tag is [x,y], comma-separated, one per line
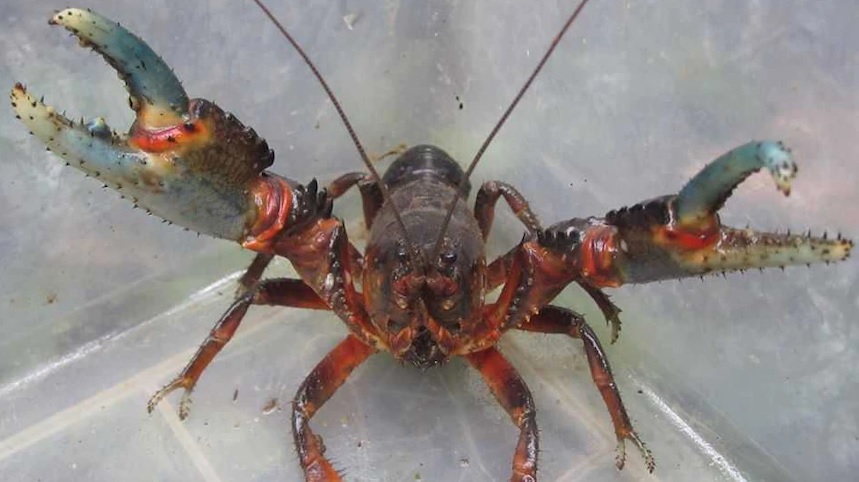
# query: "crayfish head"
[393,290]
[422,306]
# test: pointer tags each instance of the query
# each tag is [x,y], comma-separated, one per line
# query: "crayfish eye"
[446,263]
[402,254]
[447,259]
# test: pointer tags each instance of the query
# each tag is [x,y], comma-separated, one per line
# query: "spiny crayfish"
[418,289]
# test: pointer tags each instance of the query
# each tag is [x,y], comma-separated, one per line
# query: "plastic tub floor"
[748,377]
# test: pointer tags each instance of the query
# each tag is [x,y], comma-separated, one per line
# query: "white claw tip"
[780,163]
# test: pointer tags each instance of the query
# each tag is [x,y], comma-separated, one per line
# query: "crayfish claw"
[89,146]
[681,235]
[186,161]
[707,192]
[156,93]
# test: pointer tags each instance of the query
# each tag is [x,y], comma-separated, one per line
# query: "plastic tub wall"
[748,377]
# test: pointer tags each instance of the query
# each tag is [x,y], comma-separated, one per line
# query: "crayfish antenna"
[349,129]
[500,123]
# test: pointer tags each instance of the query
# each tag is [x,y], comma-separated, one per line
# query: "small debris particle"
[350,18]
[270,406]
[50,298]
[235,394]
[463,462]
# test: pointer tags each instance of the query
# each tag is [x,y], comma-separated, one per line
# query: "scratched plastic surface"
[751,377]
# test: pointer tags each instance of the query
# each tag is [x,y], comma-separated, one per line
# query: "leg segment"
[219,336]
[281,292]
[610,311]
[512,393]
[250,279]
[484,206]
[553,319]
[371,195]
[288,292]
[496,272]
[316,389]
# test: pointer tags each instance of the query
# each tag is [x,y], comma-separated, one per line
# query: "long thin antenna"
[501,122]
[361,152]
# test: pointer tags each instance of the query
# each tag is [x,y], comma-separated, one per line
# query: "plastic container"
[750,377]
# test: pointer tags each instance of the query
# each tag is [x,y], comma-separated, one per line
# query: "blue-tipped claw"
[150,82]
[679,236]
[186,161]
[707,192]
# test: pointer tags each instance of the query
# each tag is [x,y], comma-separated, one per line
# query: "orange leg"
[487,197]
[281,292]
[288,292]
[250,279]
[512,393]
[553,319]
[610,311]
[316,389]
[496,272]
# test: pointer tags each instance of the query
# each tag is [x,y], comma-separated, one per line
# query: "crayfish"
[419,291]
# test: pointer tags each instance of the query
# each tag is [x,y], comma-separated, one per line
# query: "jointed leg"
[371,195]
[250,279]
[484,206]
[610,311]
[496,272]
[316,389]
[288,292]
[512,393]
[553,319]
[282,292]
[219,336]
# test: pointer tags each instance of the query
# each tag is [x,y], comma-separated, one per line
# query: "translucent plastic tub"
[750,377]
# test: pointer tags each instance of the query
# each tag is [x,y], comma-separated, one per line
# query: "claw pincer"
[681,235]
[186,161]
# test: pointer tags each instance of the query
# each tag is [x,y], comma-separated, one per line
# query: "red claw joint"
[677,236]
[186,161]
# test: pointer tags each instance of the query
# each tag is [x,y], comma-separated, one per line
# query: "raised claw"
[681,235]
[156,94]
[707,192]
[186,161]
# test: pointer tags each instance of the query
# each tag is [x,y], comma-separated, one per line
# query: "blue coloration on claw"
[148,79]
[186,161]
[707,191]
[99,128]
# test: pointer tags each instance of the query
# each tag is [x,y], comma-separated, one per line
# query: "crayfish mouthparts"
[186,161]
